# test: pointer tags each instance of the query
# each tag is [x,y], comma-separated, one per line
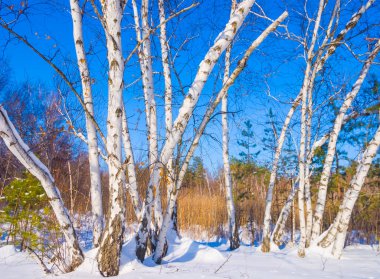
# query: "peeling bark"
[112,238]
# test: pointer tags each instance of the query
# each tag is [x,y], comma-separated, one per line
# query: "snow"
[191,259]
[14,264]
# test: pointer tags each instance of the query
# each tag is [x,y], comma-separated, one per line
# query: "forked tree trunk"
[325,176]
[148,87]
[145,61]
[185,112]
[92,141]
[112,238]
[27,158]
[338,230]
[307,82]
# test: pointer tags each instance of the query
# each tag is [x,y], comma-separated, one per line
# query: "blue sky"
[276,66]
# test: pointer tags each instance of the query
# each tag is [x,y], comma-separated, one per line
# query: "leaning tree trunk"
[279,229]
[92,141]
[132,178]
[325,176]
[338,230]
[158,255]
[112,238]
[26,157]
[265,247]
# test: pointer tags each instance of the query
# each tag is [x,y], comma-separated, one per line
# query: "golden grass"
[198,213]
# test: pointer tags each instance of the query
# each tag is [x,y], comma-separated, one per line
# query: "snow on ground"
[190,259]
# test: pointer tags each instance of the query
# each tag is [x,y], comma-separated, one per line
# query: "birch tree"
[92,140]
[27,158]
[145,60]
[168,95]
[112,238]
[319,209]
[233,231]
[336,234]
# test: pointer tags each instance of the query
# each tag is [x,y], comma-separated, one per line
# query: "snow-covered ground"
[191,259]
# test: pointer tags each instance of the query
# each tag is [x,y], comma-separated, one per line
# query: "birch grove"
[132,54]
[184,114]
[315,58]
[174,194]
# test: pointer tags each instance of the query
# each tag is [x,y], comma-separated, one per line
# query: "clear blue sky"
[276,67]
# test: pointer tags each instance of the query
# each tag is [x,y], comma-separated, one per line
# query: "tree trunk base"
[265,247]
[164,253]
[234,240]
[301,253]
[110,249]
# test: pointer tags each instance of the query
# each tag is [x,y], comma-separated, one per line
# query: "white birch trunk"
[309,210]
[145,61]
[92,141]
[233,230]
[325,176]
[302,148]
[337,232]
[168,89]
[153,149]
[170,181]
[26,157]
[158,255]
[112,238]
[232,225]
[132,178]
